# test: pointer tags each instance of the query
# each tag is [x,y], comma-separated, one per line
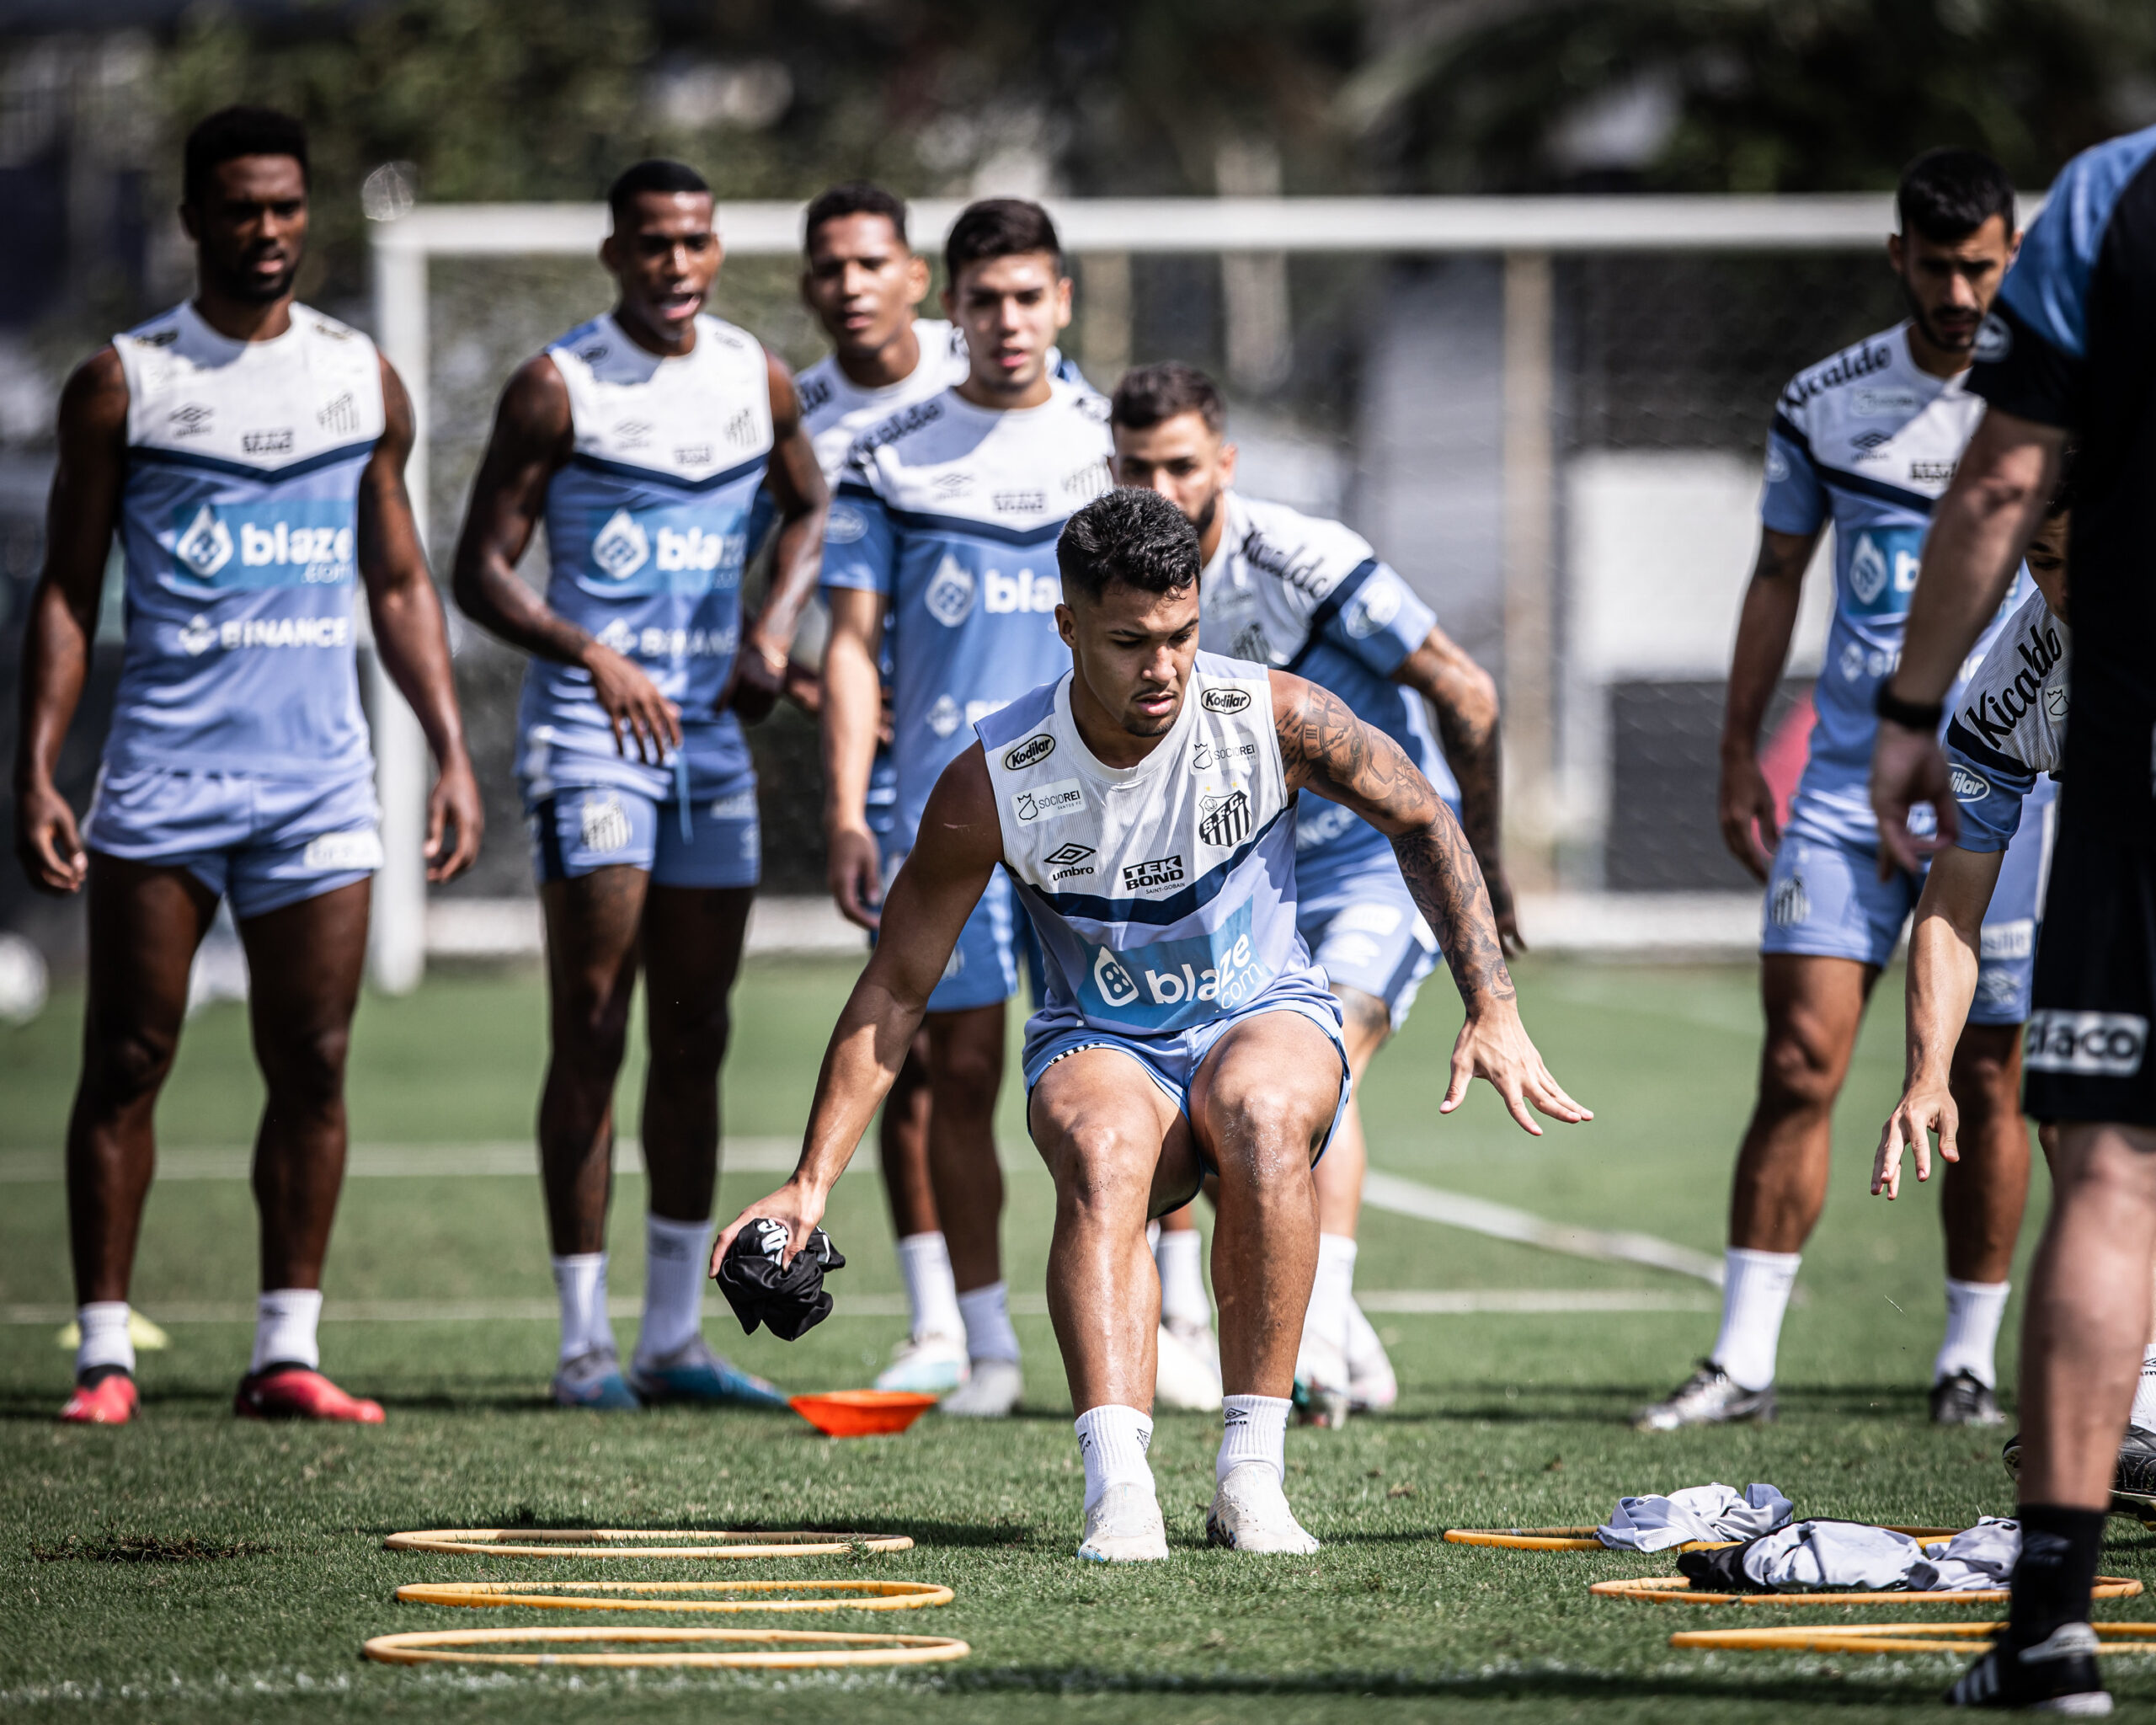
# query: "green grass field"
[190,1566]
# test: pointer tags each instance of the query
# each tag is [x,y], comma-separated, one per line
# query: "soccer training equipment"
[736,1595]
[926,1365]
[592,1379]
[629,1542]
[794,1649]
[298,1393]
[105,1398]
[2057,1674]
[1709,1397]
[1250,1513]
[1372,1388]
[1124,1527]
[1679,1590]
[1964,1399]
[1187,1373]
[693,1373]
[991,1391]
[2133,1476]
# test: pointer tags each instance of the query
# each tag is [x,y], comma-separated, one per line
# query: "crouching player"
[1144,802]
[2004,748]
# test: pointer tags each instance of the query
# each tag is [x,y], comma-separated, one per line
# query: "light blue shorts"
[1171,1062]
[1363,929]
[263,842]
[1826,900]
[712,840]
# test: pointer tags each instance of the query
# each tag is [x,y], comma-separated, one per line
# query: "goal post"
[1530,235]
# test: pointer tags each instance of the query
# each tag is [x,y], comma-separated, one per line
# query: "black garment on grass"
[762,1287]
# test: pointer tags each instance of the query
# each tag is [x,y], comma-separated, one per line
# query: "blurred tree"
[1741,95]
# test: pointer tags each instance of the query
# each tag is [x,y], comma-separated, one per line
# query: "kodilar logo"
[1224,700]
[1034,749]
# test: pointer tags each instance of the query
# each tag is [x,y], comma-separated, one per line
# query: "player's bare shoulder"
[93,403]
[959,821]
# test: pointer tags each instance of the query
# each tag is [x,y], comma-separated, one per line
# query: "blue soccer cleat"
[693,1373]
[592,1379]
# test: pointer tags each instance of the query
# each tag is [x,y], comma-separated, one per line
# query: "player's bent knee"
[1798,1071]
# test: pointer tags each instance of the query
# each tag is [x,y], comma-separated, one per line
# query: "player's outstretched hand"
[637,712]
[1909,767]
[1925,1106]
[455,814]
[797,1206]
[47,842]
[1493,1046]
[854,869]
[1748,801]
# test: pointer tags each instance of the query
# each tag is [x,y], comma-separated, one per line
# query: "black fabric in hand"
[762,1287]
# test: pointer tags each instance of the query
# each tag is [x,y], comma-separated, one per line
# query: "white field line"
[1404,1302]
[1501,1222]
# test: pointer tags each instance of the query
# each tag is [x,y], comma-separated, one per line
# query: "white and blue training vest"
[647,531]
[1164,894]
[239,523]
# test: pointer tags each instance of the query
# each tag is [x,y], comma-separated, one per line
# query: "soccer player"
[641,439]
[944,521]
[249,452]
[1186,1032]
[1294,592]
[1866,440]
[2067,351]
[863,281]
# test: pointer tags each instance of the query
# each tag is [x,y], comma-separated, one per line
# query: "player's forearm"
[1447,888]
[1943,965]
[853,703]
[411,635]
[874,1031]
[55,666]
[1764,628]
[1970,556]
[487,590]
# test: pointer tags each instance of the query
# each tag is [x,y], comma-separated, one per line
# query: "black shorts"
[2085,1051]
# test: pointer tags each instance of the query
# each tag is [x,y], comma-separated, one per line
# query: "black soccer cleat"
[1964,1399]
[2133,1477]
[1709,1397]
[2057,1674]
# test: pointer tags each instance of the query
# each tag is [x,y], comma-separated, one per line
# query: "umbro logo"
[1063,856]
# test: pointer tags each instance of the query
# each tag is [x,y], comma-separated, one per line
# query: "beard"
[1932,333]
[1203,524]
[245,284]
[1137,724]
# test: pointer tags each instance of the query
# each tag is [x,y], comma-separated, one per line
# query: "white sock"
[284,1327]
[987,1315]
[1253,1428]
[675,1256]
[581,1281]
[1755,1293]
[1179,1255]
[1325,1323]
[2144,1394]
[932,1296]
[1113,1441]
[105,1340]
[1973,1310]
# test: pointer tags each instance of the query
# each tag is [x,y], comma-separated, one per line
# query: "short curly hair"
[1129,535]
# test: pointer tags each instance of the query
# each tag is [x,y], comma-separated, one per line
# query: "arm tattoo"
[1325,747]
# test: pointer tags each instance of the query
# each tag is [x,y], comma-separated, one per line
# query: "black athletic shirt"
[2071,342]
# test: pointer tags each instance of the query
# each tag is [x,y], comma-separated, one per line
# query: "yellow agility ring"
[1676,1590]
[555,1595]
[620,1542]
[1582,1539]
[767,1648]
[1895,1638]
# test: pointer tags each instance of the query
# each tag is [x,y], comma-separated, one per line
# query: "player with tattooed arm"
[1145,804]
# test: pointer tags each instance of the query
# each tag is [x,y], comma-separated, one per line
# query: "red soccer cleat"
[110,1400]
[296,1392]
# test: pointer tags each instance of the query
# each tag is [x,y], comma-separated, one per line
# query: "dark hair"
[856,197]
[1947,194]
[1152,394]
[656,173]
[232,132]
[1130,535]
[2062,497]
[999,227]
